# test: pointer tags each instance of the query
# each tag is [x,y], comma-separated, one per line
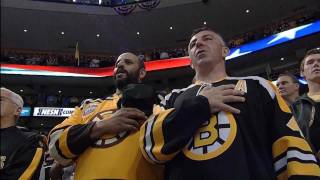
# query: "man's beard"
[131,78]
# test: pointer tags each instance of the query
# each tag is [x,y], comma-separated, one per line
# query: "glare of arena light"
[25,30]
[90,92]
[138,33]
[59,91]
[170,27]
[98,35]
[281,59]
[205,22]
[100,2]
[21,90]
[247,11]
[62,33]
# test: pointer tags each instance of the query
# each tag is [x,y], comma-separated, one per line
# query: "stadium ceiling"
[44,23]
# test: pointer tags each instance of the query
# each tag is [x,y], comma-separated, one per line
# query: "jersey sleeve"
[27,161]
[166,133]
[70,138]
[292,156]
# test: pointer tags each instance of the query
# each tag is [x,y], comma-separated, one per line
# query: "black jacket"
[307,113]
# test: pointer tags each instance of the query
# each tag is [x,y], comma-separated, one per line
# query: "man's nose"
[199,43]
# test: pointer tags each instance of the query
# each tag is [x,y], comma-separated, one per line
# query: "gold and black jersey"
[21,154]
[111,157]
[262,142]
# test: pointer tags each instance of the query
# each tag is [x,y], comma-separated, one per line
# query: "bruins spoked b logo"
[213,138]
[108,140]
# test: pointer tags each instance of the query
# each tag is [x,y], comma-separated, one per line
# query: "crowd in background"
[106,60]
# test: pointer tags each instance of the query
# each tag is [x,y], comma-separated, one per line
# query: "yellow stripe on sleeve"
[159,137]
[27,174]
[295,168]
[281,145]
[63,145]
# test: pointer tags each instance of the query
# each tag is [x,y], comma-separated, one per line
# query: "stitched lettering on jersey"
[213,138]
[108,140]
[89,109]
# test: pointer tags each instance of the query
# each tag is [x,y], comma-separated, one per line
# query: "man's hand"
[219,96]
[124,119]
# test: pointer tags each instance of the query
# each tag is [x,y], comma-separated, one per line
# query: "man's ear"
[142,73]
[225,51]
[18,111]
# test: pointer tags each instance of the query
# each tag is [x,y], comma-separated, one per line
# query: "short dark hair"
[206,28]
[292,77]
[310,52]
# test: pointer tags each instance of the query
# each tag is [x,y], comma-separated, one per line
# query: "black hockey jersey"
[21,154]
[262,142]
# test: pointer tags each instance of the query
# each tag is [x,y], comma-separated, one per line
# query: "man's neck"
[216,74]
[289,100]
[6,122]
[314,88]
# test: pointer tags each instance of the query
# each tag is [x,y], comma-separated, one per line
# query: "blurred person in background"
[288,86]
[21,150]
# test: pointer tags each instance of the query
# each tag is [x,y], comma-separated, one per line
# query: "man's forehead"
[127,56]
[203,33]
[313,56]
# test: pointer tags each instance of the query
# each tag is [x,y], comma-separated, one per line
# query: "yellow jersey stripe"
[281,145]
[301,169]
[63,144]
[159,138]
[27,174]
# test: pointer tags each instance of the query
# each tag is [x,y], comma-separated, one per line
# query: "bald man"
[21,150]
[102,135]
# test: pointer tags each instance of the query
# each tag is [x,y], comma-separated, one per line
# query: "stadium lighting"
[62,33]
[170,27]
[247,11]
[205,22]
[138,33]
[281,59]
[98,35]
[25,30]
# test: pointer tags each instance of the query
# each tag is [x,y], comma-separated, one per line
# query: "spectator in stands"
[102,135]
[164,55]
[288,86]
[95,62]
[307,110]
[141,56]
[21,149]
[206,131]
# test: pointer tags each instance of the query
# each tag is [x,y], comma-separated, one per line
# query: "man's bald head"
[13,97]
